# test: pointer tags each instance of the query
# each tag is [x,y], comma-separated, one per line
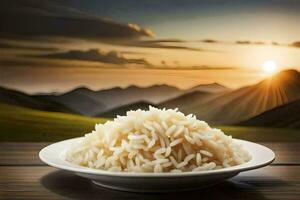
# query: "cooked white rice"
[156,141]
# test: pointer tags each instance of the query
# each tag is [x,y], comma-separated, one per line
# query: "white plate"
[54,155]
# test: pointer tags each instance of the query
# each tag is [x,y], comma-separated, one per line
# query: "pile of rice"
[156,140]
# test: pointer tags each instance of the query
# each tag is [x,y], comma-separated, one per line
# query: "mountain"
[82,100]
[244,103]
[195,96]
[92,103]
[121,110]
[17,98]
[187,100]
[211,88]
[287,115]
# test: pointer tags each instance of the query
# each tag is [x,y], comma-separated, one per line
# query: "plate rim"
[85,170]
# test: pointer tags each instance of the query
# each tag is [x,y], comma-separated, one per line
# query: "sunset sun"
[269,67]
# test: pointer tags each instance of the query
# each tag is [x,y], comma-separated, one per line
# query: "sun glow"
[269,67]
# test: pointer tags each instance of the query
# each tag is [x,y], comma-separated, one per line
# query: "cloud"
[15,63]
[204,67]
[96,55]
[135,53]
[163,44]
[48,19]
[239,42]
[52,21]
[295,44]
[5,45]
[210,41]
[247,42]
[193,67]
[169,41]
[275,43]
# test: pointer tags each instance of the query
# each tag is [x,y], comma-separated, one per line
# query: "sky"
[55,46]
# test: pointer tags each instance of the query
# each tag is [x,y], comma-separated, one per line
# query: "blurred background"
[66,65]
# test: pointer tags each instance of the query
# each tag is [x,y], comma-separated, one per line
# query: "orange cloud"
[96,55]
[32,20]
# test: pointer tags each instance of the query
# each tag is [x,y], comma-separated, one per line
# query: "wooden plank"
[27,153]
[39,182]
[21,153]
[286,153]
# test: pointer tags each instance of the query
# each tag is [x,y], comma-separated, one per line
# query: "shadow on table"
[69,185]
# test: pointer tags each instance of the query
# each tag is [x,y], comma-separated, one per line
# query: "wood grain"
[286,153]
[21,153]
[40,182]
[24,176]
[27,153]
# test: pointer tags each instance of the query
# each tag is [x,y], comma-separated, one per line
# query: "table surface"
[24,176]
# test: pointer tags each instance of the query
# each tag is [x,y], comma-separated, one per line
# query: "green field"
[22,124]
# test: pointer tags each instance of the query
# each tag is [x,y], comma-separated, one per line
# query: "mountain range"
[287,116]
[243,103]
[267,103]
[17,98]
[88,102]
[92,103]
[211,88]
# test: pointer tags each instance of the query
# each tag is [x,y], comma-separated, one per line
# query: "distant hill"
[211,88]
[14,97]
[187,100]
[195,96]
[81,100]
[287,116]
[92,103]
[244,103]
[121,110]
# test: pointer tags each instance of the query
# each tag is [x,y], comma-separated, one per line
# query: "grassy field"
[22,124]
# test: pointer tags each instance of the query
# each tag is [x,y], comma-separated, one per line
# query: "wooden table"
[24,176]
